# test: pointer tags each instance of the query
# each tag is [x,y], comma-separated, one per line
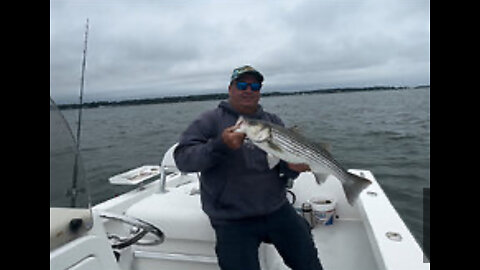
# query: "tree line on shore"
[221,96]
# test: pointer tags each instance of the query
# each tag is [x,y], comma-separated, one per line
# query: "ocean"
[386,132]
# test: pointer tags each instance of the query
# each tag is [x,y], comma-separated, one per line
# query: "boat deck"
[332,240]
[189,236]
[331,243]
[356,240]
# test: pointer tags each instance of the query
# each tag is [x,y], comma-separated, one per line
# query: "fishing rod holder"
[163,179]
[178,179]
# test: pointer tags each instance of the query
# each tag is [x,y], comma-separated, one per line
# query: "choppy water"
[387,132]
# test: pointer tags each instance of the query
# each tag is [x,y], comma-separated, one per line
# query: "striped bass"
[292,147]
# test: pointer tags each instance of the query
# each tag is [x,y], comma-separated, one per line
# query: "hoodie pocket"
[254,158]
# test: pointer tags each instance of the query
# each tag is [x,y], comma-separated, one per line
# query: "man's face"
[244,100]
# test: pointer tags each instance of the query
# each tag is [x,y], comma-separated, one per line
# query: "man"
[244,199]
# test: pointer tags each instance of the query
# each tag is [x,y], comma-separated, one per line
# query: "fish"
[285,144]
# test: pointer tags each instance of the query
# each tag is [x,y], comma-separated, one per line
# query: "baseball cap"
[246,70]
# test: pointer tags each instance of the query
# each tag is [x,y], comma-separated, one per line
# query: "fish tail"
[353,186]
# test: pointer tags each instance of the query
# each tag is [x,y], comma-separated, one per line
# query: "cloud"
[157,48]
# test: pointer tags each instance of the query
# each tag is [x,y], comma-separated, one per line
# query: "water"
[387,132]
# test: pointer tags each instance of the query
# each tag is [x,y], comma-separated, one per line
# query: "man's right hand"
[232,139]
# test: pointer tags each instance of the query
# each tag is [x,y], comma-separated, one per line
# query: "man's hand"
[298,167]
[232,139]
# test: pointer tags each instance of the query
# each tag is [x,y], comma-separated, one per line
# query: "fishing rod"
[73,191]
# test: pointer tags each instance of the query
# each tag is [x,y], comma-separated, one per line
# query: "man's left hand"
[298,167]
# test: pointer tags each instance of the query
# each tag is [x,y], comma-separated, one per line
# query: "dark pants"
[238,241]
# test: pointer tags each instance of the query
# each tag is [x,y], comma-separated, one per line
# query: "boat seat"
[187,228]
[177,213]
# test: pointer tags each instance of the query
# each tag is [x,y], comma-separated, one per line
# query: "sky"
[146,49]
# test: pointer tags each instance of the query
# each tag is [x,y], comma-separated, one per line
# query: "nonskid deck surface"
[344,245]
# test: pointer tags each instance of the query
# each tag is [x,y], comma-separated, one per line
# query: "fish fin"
[274,146]
[272,161]
[325,146]
[295,129]
[353,186]
[248,142]
[320,177]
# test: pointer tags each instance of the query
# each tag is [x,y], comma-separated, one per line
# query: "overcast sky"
[141,48]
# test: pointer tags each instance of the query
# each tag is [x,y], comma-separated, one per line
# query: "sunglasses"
[254,86]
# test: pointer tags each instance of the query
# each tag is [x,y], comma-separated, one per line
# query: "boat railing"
[168,166]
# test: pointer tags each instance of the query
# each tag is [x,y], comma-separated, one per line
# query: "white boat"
[160,225]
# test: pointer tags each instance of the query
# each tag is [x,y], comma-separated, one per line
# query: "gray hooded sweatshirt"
[234,184]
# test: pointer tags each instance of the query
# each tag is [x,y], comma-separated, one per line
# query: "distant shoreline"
[220,96]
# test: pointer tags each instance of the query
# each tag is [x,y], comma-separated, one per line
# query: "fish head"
[256,130]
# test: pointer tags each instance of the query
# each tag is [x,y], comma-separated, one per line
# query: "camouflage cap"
[246,70]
